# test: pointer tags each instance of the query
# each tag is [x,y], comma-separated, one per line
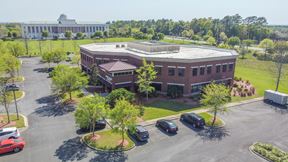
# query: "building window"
[158,70]
[218,68]
[181,72]
[231,67]
[198,88]
[209,69]
[224,68]
[127,73]
[202,70]
[157,86]
[194,71]
[171,71]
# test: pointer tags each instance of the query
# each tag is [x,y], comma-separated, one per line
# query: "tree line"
[252,27]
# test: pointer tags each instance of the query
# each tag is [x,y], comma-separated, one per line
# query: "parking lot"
[52,134]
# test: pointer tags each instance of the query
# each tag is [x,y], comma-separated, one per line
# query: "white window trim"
[178,84]
[106,58]
[224,63]
[202,66]
[158,65]
[193,84]
[171,66]
[157,82]
[209,65]
[123,83]
[218,64]
[181,67]
[194,67]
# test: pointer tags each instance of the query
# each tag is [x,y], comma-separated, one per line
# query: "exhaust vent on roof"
[122,45]
[117,46]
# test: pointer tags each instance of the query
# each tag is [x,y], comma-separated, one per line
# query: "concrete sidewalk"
[175,117]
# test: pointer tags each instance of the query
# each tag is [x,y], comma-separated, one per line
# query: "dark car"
[194,119]
[100,124]
[167,125]
[140,133]
[49,70]
[12,87]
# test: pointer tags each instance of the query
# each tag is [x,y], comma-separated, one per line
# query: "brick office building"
[187,67]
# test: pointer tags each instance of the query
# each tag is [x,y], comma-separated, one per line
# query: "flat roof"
[187,53]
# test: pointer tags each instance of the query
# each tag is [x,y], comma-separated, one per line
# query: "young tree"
[93,79]
[123,116]
[215,95]
[281,49]
[79,35]
[4,97]
[12,65]
[118,94]
[248,42]
[158,36]
[267,44]
[146,74]
[67,80]
[243,51]
[98,34]
[106,34]
[47,57]
[211,41]
[59,56]
[76,59]
[233,41]
[16,49]
[68,34]
[223,37]
[90,110]
[45,34]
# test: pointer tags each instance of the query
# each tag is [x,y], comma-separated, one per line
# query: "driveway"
[52,133]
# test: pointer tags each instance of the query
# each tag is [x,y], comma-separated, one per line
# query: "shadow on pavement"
[41,70]
[282,109]
[53,107]
[109,157]
[72,150]
[213,133]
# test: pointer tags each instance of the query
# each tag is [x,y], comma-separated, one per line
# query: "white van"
[6,133]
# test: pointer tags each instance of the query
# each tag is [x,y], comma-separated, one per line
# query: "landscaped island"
[269,152]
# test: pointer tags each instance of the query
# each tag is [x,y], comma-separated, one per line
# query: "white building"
[57,30]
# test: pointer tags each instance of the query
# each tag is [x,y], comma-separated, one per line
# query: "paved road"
[52,133]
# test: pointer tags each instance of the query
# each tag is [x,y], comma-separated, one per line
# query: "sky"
[276,11]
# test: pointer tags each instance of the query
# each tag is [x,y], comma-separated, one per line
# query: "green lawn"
[66,45]
[160,109]
[13,118]
[18,94]
[209,118]
[259,73]
[108,140]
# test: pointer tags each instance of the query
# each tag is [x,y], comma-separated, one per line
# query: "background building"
[188,68]
[57,30]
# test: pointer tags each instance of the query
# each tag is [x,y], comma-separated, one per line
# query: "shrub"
[270,152]
[118,94]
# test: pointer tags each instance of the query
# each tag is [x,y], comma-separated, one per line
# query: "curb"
[25,123]
[257,154]
[21,97]
[101,150]
[175,117]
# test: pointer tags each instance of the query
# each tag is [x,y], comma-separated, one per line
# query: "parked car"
[9,133]
[194,119]
[167,125]
[140,133]
[10,145]
[100,124]
[12,87]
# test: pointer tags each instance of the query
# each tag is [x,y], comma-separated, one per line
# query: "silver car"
[8,133]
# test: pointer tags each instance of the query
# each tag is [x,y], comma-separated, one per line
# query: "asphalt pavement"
[52,133]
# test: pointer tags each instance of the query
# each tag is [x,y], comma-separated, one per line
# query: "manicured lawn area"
[108,140]
[160,109]
[18,94]
[76,96]
[13,118]
[66,45]
[209,118]
[259,73]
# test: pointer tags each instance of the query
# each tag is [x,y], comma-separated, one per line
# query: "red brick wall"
[188,79]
